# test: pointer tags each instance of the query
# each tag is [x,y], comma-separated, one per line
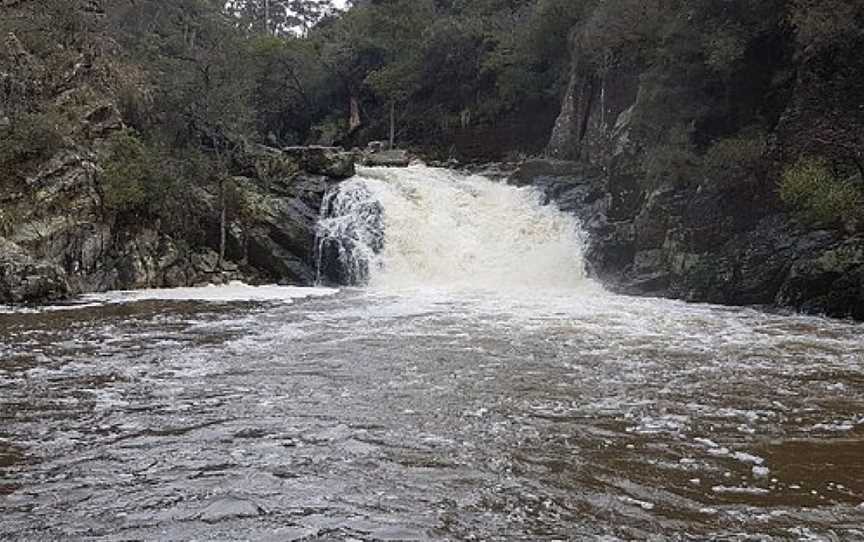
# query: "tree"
[279,17]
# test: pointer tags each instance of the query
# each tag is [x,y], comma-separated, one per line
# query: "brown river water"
[430,415]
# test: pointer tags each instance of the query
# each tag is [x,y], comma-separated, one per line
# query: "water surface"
[430,415]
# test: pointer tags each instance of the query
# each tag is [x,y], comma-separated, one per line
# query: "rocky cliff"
[725,239]
[63,243]
[77,215]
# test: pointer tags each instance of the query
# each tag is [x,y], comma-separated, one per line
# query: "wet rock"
[227,508]
[278,238]
[389,158]
[329,161]
[701,244]
[830,282]
[545,171]
[25,280]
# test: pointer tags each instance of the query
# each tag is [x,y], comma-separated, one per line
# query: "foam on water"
[233,292]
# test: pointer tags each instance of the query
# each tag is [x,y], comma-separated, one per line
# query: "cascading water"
[396,228]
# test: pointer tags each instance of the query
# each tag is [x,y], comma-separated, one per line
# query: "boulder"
[328,161]
[25,280]
[390,158]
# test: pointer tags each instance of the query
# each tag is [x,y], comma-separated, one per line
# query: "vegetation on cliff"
[715,79]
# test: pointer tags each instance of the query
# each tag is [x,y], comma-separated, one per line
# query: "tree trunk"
[223,215]
[393,124]
[354,120]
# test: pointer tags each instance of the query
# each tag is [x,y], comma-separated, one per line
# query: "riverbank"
[703,243]
[270,220]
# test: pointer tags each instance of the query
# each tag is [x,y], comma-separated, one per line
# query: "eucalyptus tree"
[279,17]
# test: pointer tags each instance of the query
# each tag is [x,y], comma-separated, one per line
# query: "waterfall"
[421,226]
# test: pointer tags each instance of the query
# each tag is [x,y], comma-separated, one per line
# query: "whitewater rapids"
[429,227]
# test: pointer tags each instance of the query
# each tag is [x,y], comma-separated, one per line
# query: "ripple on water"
[428,414]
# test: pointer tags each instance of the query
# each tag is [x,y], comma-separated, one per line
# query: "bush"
[736,158]
[134,177]
[29,139]
[674,161]
[818,196]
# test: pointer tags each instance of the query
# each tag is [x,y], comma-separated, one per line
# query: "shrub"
[29,137]
[674,161]
[818,196]
[134,178]
[736,158]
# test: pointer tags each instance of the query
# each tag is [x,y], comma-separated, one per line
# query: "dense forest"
[479,78]
[167,96]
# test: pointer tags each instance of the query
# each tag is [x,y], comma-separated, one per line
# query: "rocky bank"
[702,245]
[64,244]
[729,241]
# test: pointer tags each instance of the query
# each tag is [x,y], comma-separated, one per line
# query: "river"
[473,384]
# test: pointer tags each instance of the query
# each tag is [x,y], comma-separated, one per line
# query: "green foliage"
[291,88]
[134,178]
[135,106]
[736,158]
[812,189]
[29,139]
[674,161]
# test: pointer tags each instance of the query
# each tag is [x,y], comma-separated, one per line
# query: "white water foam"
[226,293]
[232,292]
[429,227]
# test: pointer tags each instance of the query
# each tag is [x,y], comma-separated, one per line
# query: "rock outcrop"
[25,280]
[62,243]
[387,158]
[702,245]
[697,234]
[59,234]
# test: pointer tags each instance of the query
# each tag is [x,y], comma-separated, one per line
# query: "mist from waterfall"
[421,226]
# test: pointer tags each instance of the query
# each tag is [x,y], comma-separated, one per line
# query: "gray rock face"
[328,161]
[25,280]
[277,238]
[389,158]
[729,244]
[594,104]
[62,243]
[697,244]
